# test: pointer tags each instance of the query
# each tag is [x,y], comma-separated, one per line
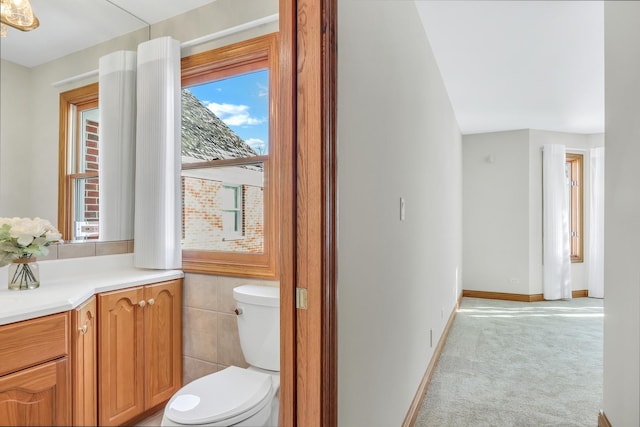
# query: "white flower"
[25,237]
[52,236]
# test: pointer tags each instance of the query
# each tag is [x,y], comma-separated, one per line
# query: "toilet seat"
[228,396]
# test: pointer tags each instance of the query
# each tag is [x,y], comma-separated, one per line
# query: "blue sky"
[242,103]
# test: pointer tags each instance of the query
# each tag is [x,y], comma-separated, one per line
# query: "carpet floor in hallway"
[513,364]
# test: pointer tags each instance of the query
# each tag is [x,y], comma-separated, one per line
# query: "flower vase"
[24,273]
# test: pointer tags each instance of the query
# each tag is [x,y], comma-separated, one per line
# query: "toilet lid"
[225,394]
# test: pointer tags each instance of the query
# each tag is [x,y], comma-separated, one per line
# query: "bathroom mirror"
[30,94]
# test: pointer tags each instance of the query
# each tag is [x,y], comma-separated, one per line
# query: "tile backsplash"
[87,249]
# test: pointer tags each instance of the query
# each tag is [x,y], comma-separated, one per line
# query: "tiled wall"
[210,331]
[87,249]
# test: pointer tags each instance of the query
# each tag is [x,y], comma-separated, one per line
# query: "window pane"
[230,225]
[223,208]
[88,148]
[229,197]
[226,119]
[85,207]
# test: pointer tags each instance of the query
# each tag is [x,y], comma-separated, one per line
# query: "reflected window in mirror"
[229,164]
[78,199]
[575,205]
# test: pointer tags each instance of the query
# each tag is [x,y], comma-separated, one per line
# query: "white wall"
[622,212]
[16,126]
[502,219]
[41,198]
[496,211]
[397,137]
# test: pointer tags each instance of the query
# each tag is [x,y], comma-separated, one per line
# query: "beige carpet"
[517,364]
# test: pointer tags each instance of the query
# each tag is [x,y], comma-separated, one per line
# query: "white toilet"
[237,396]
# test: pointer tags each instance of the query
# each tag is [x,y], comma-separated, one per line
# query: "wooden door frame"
[308,80]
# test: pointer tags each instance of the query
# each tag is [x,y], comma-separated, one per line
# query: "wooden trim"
[257,53]
[603,421]
[416,404]
[287,175]
[316,214]
[84,363]
[583,293]
[501,296]
[309,239]
[238,58]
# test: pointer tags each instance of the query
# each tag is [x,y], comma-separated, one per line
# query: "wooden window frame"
[576,215]
[239,58]
[85,97]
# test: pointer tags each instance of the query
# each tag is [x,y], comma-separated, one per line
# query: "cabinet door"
[163,341]
[84,342]
[120,356]
[38,396]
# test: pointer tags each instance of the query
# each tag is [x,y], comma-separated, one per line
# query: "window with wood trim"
[78,197]
[230,160]
[575,190]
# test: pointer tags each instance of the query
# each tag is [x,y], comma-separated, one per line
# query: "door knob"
[151,301]
[142,303]
[83,329]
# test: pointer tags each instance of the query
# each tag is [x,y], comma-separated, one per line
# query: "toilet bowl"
[239,396]
[231,397]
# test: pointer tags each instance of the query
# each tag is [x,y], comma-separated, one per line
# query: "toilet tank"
[259,325]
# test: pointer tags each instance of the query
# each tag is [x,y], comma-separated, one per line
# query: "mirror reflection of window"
[574,195]
[78,203]
[85,194]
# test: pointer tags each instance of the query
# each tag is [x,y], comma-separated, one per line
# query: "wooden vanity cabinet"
[35,386]
[139,350]
[84,360]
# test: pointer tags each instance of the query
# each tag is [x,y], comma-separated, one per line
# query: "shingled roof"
[205,136]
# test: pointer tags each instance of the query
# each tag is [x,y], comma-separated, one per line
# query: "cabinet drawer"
[37,396]
[34,341]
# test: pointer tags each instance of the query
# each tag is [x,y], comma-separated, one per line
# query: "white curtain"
[596,225]
[158,201]
[556,261]
[117,130]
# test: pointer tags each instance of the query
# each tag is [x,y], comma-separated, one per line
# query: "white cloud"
[263,90]
[233,114]
[258,145]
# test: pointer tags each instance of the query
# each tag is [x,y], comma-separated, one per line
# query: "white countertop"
[65,284]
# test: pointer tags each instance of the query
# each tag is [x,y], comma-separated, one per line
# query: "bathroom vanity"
[99,343]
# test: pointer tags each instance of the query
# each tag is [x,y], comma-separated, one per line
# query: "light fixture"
[17,14]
